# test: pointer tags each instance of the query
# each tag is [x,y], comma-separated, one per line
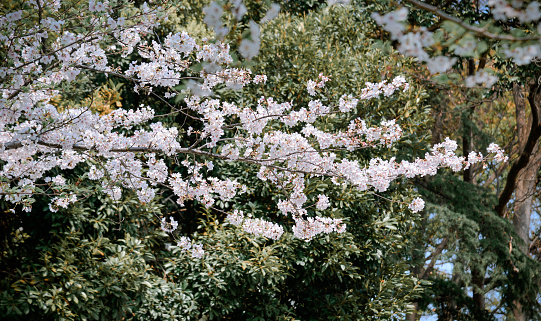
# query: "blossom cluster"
[313,85]
[186,244]
[414,43]
[256,226]
[417,205]
[169,227]
[306,229]
[373,90]
[62,201]
[503,10]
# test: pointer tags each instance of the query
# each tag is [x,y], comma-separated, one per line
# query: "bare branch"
[433,257]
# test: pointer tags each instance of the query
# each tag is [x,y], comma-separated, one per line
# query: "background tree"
[476,40]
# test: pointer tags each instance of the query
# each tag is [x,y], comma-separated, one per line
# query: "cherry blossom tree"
[50,46]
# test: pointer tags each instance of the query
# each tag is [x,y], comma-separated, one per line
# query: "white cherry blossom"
[127,150]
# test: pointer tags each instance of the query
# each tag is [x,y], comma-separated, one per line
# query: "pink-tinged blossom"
[59,180]
[260,79]
[322,202]
[114,192]
[272,13]
[197,251]
[347,103]
[374,90]
[312,86]
[181,42]
[186,245]
[257,226]
[169,227]
[500,156]
[417,205]
[145,194]
[62,202]
[306,229]
[481,78]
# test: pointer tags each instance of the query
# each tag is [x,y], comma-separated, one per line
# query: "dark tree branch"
[192,151]
[433,257]
[535,132]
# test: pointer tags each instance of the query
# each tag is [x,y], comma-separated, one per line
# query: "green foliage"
[94,263]
[478,240]
[107,261]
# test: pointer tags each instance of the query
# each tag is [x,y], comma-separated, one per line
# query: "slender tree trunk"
[467,143]
[417,260]
[525,155]
[437,129]
[523,203]
[467,139]
[477,269]
[478,279]
[413,316]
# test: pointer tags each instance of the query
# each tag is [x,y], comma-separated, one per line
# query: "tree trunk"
[417,261]
[413,316]
[467,139]
[478,271]
[478,279]
[525,186]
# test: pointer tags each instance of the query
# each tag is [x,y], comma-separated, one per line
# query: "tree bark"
[416,266]
[467,137]
[477,270]
[525,157]
[413,316]
[525,185]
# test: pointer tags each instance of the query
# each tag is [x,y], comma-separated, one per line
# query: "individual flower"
[323,202]
[260,79]
[59,180]
[197,251]
[185,243]
[169,227]
[271,13]
[347,103]
[499,157]
[248,48]
[311,87]
[417,205]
